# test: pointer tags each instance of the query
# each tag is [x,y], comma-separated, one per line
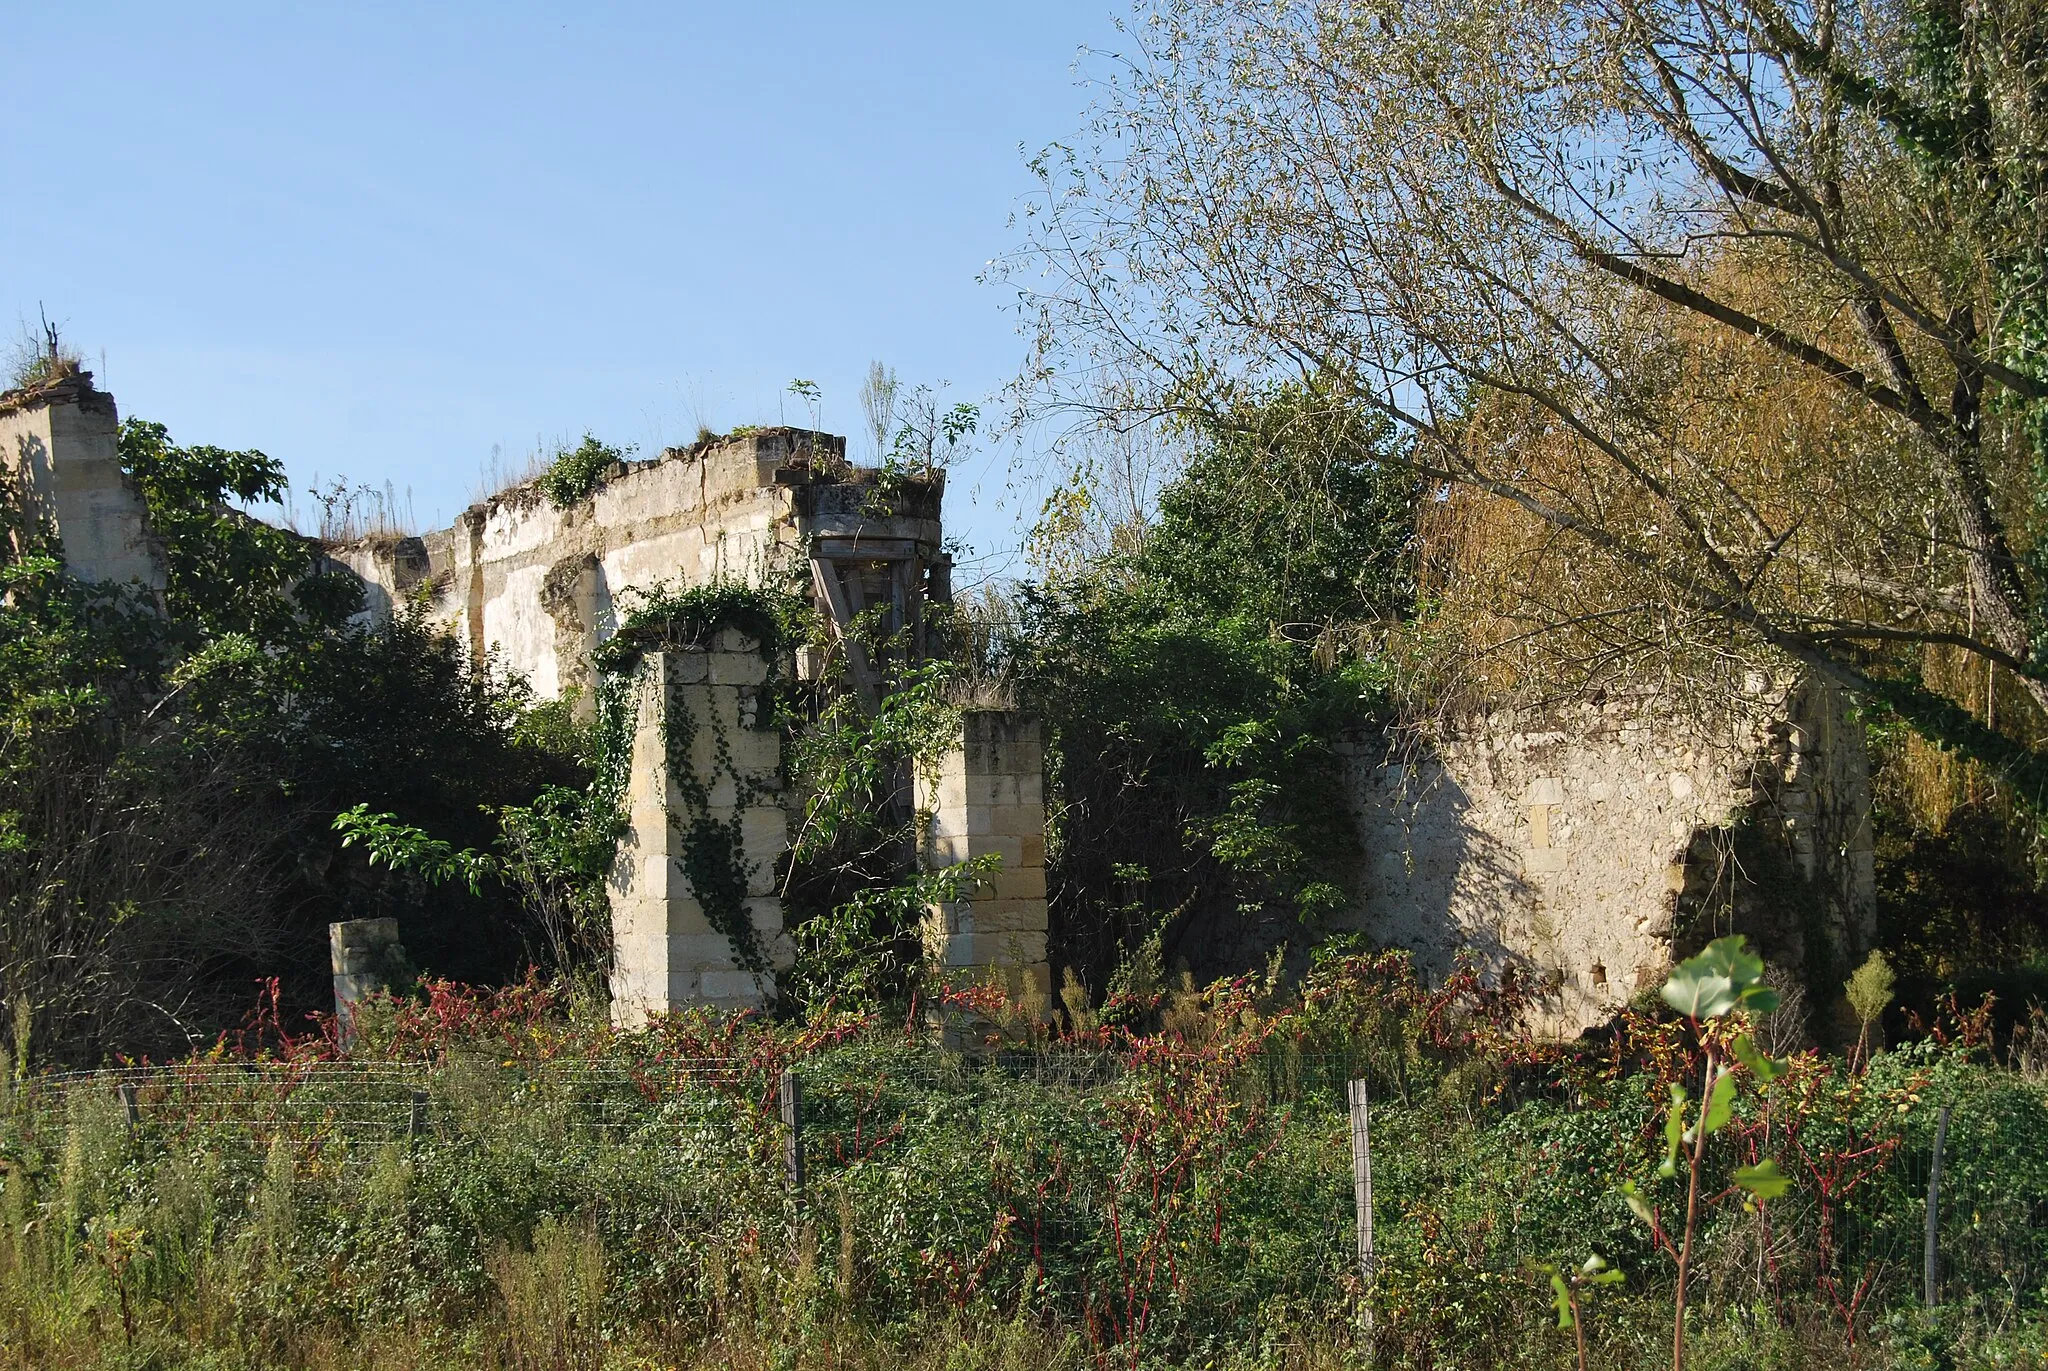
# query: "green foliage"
[1869,989]
[860,956]
[577,472]
[858,885]
[228,572]
[406,848]
[169,774]
[665,616]
[1196,682]
[1725,977]
[1167,1197]
[714,850]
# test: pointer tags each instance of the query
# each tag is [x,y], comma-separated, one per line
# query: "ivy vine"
[712,849]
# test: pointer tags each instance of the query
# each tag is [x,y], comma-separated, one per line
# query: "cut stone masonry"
[539,587]
[667,952]
[986,797]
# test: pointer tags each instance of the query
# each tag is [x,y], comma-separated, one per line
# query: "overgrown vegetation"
[577,472]
[1199,676]
[1169,1185]
[167,777]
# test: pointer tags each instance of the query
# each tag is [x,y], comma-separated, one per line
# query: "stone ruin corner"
[1574,842]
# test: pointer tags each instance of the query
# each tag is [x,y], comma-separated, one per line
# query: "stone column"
[986,796]
[368,959]
[703,802]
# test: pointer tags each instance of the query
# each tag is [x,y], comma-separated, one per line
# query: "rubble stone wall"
[60,455]
[1565,840]
[540,585]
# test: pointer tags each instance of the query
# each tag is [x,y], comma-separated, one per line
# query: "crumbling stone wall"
[60,462]
[539,585]
[1575,842]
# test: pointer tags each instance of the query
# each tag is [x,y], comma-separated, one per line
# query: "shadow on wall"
[33,498]
[1434,879]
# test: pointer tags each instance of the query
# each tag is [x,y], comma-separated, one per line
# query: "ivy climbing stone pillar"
[985,796]
[695,916]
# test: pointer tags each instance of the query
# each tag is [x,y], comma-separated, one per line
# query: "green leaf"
[1674,1131]
[1764,1068]
[1563,1297]
[1637,1205]
[1719,978]
[1764,1180]
[1760,999]
[1720,1102]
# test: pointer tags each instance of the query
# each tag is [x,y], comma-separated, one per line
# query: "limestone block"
[738,668]
[1545,790]
[1010,914]
[697,951]
[1021,820]
[755,752]
[1008,847]
[947,850]
[950,916]
[721,797]
[688,668]
[738,987]
[994,949]
[686,916]
[765,913]
[1031,849]
[1021,883]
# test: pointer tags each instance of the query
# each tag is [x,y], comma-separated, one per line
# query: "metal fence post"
[130,1105]
[417,1124]
[793,1137]
[1361,1182]
[1931,1269]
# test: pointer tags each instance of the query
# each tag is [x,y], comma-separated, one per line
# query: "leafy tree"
[228,572]
[1198,679]
[168,773]
[1740,300]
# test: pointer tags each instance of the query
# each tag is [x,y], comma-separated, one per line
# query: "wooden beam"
[826,577]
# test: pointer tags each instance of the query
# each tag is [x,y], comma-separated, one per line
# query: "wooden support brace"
[825,575]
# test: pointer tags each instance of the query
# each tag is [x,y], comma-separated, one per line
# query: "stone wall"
[541,586]
[986,797]
[1573,842]
[60,455]
[705,768]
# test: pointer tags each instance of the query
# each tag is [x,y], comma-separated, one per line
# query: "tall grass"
[1135,1196]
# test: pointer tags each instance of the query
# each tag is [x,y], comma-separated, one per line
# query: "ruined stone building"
[1574,842]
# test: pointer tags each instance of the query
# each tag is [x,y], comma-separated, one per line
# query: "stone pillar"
[986,796]
[703,797]
[58,452]
[368,959]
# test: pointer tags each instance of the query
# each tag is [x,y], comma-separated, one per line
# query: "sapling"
[1869,992]
[1724,980]
[1569,1289]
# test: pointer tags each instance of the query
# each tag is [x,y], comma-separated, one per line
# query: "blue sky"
[376,241]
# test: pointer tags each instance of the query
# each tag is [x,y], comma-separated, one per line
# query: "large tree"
[1746,302]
